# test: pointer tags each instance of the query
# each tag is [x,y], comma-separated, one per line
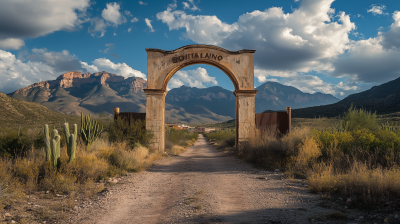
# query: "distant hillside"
[15,113]
[73,92]
[383,99]
[213,99]
[275,96]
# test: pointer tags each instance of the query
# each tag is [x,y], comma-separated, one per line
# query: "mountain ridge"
[383,99]
[100,92]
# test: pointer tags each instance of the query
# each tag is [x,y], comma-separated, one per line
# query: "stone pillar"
[155,107]
[289,112]
[245,115]
[116,112]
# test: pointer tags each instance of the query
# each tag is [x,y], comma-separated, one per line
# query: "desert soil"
[204,185]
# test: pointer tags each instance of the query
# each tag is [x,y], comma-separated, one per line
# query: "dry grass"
[267,150]
[358,158]
[369,185]
[175,150]
[101,160]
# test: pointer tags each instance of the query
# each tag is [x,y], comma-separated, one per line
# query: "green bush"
[359,119]
[120,131]
[15,143]
[179,137]
[221,135]
[230,142]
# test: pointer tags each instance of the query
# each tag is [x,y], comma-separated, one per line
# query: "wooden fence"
[280,120]
[129,117]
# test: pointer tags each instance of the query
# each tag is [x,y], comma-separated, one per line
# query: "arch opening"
[230,75]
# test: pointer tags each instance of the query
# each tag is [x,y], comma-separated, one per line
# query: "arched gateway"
[162,65]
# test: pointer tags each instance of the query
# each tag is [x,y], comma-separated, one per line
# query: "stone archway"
[237,65]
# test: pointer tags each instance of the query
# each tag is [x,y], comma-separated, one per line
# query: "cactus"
[47,141]
[90,129]
[71,141]
[55,149]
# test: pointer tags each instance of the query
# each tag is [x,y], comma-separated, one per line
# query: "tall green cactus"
[90,129]
[55,149]
[71,141]
[52,146]
[47,141]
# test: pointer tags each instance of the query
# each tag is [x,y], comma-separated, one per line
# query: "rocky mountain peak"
[76,79]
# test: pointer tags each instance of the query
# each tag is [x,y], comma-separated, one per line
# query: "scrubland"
[355,157]
[24,170]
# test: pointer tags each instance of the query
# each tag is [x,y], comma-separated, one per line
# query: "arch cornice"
[237,65]
[200,46]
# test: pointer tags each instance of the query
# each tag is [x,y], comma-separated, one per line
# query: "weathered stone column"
[155,107]
[245,115]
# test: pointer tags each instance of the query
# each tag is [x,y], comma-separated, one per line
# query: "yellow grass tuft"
[176,150]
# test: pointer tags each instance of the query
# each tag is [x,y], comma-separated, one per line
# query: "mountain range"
[100,92]
[382,99]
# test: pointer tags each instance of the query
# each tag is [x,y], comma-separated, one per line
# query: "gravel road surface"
[204,185]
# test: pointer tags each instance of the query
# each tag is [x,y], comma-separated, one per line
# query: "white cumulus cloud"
[148,23]
[104,64]
[16,74]
[29,19]
[11,43]
[302,41]
[374,60]
[194,78]
[377,9]
[97,25]
[186,5]
[112,14]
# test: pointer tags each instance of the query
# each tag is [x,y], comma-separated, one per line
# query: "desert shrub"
[308,154]
[179,137]
[10,187]
[290,142]
[359,119]
[231,141]
[120,131]
[18,142]
[220,135]
[370,186]
[85,167]
[129,160]
[58,182]
[175,150]
[27,171]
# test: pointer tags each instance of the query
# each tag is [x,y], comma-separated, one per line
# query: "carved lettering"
[196,55]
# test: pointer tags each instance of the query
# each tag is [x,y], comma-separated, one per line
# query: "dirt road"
[203,185]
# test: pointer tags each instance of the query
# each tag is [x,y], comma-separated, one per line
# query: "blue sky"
[336,47]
